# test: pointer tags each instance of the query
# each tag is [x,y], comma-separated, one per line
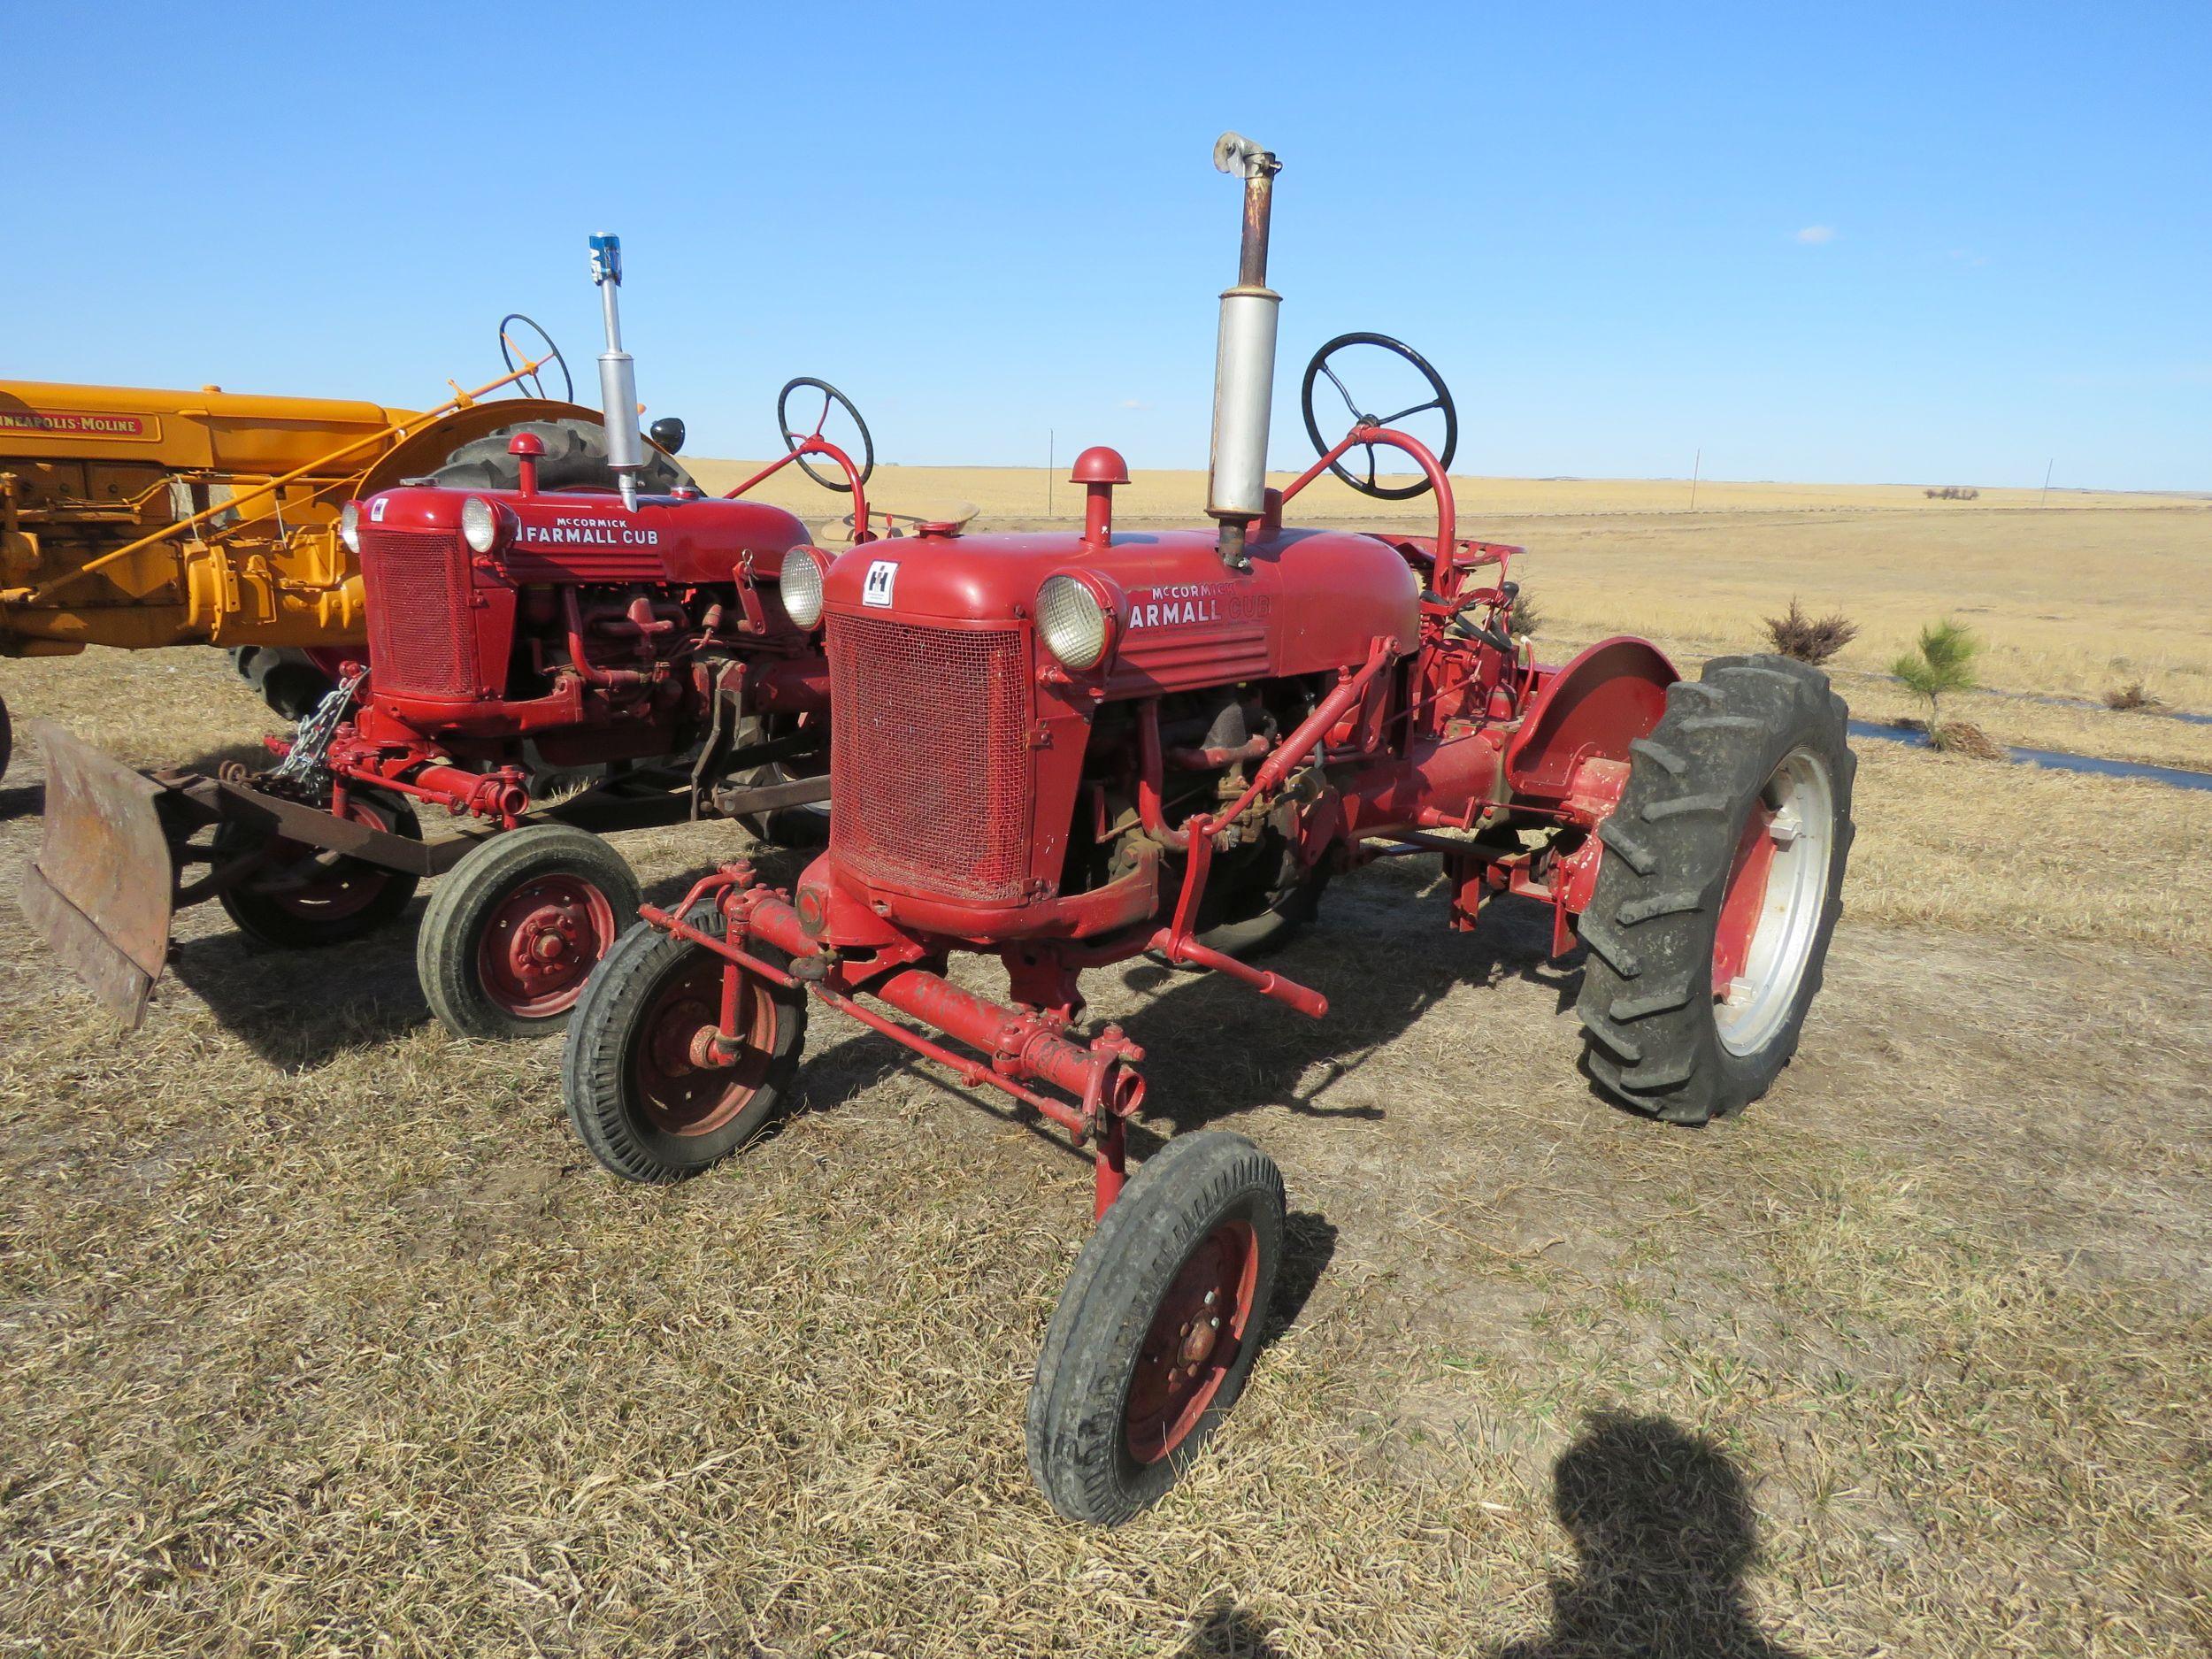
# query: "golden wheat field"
[2074,596]
[319,1334]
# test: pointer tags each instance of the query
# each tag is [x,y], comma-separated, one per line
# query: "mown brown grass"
[319,1334]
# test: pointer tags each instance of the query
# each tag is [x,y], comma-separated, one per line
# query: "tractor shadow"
[299,1010]
[1214,1048]
[26,800]
[1664,1535]
[1383,956]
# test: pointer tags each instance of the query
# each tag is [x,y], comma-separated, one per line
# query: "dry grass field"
[319,1334]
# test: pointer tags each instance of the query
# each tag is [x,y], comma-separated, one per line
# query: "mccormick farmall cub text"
[566,636]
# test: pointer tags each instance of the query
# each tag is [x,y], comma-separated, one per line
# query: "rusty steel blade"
[101,888]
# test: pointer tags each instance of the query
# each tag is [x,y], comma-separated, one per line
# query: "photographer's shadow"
[1664,1532]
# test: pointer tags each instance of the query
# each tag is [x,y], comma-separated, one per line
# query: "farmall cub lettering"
[567,635]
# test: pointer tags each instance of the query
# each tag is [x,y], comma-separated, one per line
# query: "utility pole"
[1696,467]
[1052,447]
[2044,500]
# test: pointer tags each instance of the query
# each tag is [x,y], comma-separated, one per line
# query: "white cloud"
[1132,403]
[1813,235]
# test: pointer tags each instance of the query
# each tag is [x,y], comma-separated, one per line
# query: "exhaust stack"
[1244,361]
[618,372]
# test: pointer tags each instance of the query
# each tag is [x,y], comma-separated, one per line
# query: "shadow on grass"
[25,799]
[1215,1048]
[1663,1531]
[1381,954]
[299,1010]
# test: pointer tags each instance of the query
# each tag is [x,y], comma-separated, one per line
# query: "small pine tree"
[1810,640]
[1942,664]
[1526,617]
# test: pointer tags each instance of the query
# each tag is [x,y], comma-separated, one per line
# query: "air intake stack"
[618,372]
[1244,362]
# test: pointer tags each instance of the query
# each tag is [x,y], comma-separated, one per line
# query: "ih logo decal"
[883,574]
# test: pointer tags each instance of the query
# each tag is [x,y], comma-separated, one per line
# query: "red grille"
[929,761]
[422,638]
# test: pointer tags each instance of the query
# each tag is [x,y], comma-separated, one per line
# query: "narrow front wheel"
[650,1090]
[1157,1328]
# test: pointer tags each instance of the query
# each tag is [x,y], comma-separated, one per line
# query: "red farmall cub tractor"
[1066,750]
[544,607]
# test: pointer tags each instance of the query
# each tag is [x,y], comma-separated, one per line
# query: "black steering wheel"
[793,436]
[1440,399]
[508,354]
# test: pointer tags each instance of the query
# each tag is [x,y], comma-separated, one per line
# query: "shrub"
[1526,617]
[1806,640]
[2130,696]
[1941,663]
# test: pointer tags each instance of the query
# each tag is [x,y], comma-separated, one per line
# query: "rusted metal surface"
[101,890]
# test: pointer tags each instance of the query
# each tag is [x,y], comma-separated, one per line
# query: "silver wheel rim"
[1755,1006]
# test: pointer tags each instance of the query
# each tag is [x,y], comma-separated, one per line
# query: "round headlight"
[1072,621]
[800,586]
[350,528]
[479,524]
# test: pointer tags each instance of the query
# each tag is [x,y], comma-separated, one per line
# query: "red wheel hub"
[682,1083]
[1744,898]
[1195,1338]
[541,942]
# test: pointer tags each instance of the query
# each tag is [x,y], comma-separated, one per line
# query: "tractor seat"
[902,520]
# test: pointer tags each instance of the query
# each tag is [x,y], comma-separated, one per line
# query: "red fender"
[1597,705]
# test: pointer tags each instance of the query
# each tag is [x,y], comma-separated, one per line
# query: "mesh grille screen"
[422,637]
[929,762]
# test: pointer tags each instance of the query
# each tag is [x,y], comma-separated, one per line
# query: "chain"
[312,741]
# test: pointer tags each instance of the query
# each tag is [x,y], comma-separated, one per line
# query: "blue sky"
[1846,243]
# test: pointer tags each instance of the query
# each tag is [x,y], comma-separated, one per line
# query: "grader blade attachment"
[102,890]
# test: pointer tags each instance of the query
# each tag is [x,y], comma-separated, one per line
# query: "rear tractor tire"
[287,679]
[795,828]
[7,738]
[305,899]
[1721,884]
[514,930]
[1157,1329]
[638,1097]
[575,457]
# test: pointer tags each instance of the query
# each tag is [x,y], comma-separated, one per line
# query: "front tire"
[515,929]
[636,1095]
[1157,1328]
[1719,891]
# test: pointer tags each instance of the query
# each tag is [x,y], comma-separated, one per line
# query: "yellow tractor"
[135,517]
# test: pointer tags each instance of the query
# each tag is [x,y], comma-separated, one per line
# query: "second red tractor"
[566,636]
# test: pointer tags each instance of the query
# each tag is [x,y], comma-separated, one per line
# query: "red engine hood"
[588,536]
[1312,600]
